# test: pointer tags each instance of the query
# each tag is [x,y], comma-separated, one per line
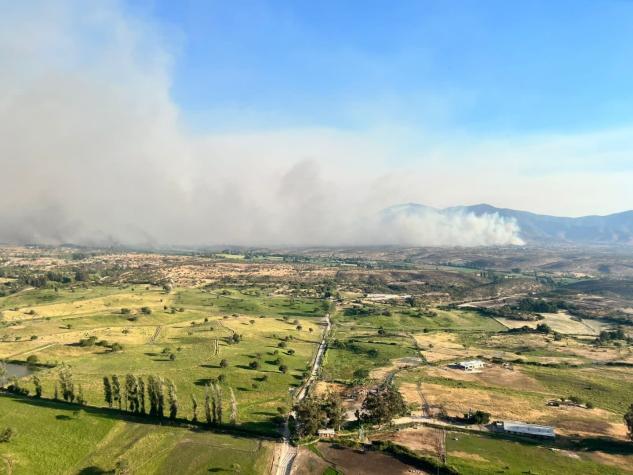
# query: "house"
[327,433]
[521,428]
[470,365]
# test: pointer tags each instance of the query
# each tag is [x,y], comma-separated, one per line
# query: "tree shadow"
[259,429]
[93,470]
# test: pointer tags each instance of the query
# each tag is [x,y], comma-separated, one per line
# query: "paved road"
[287,452]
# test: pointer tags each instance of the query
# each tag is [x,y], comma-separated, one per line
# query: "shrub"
[7,434]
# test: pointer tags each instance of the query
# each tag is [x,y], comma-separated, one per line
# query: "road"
[287,452]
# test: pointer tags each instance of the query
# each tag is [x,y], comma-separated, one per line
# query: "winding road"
[287,452]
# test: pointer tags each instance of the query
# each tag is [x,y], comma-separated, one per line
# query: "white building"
[470,365]
[327,433]
[521,428]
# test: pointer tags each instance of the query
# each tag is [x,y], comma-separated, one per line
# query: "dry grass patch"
[492,375]
[532,409]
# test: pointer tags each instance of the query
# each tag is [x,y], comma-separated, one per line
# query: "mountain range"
[535,228]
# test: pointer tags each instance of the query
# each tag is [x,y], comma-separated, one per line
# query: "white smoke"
[93,151]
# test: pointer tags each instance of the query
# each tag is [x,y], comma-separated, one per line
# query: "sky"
[481,67]
[277,122]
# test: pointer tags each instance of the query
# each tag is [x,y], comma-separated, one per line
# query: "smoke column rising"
[93,151]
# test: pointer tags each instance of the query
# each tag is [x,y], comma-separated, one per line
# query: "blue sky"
[477,67]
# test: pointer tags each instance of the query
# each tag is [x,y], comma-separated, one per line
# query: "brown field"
[492,375]
[560,322]
[570,420]
[353,462]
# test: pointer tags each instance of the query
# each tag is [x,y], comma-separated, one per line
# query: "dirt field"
[423,439]
[492,375]
[560,322]
[352,462]
[568,420]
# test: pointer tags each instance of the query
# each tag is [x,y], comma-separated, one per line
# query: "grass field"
[198,333]
[53,439]
[473,454]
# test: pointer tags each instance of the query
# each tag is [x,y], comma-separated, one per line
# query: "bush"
[7,434]
[361,373]
[253,364]
[477,417]
[224,363]
[146,310]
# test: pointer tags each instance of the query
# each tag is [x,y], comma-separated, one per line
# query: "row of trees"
[162,395]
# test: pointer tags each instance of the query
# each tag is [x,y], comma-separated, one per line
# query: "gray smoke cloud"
[93,151]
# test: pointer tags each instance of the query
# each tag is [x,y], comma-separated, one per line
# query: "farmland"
[243,329]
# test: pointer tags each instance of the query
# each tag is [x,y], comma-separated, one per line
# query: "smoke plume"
[93,150]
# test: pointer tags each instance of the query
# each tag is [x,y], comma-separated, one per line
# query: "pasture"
[184,337]
[56,438]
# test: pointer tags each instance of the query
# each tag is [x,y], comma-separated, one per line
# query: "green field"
[475,455]
[197,333]
[52,438]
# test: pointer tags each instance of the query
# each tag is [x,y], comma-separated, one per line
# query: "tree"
[156,396]
[283,369]
[233,416]
[81,400]
[107,391]
[207,404]
[194,409]
[141,395]
[66,383]
[218,404]
[310,416]
[334,411]
[172,398]
[253,365]
[383,405]
[224,363]
[38,386]
[543,328]
[628,420]
[131,393]
[116,390]
[56,392]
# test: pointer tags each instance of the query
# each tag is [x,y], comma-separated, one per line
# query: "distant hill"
[541,229]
